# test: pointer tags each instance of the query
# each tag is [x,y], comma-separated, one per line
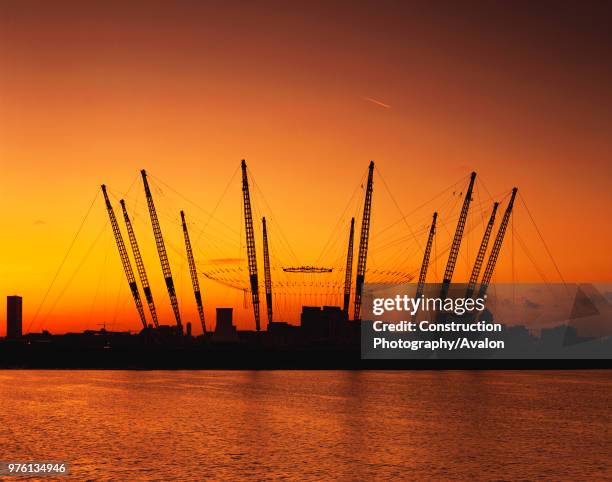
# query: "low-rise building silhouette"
[322,323]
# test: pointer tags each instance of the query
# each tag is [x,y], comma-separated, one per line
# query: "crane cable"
[543,241]
[76,235]
[414,237]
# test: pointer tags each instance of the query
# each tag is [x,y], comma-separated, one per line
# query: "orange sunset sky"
[307,93]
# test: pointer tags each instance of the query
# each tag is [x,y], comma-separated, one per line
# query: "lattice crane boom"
[161,251]
[363,243]
[425,264]
[348,274]
[267,273]
[454,251]
[499,239]
[194,273]
[125,260]
[250,241]
[142,273]
[481,253]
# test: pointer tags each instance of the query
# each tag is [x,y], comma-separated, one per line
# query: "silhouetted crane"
[250,241]
[499,239]
[267,274]
[454,251]
[349,269]
[425,264]
[144,280]
[125,260]
[194,273]
[161,250]
[481,254]
[363,243]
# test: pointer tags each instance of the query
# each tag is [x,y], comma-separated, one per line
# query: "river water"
[293,425]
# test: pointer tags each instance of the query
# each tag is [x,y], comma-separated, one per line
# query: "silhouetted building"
[163,332]
[13,316]
[324,323]
[44,336]
[281,327]
[281,333]
[189,328]
[224,329]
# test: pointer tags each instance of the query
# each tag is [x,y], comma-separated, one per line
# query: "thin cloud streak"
[377,102]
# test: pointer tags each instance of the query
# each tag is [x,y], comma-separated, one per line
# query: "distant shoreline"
[50,356]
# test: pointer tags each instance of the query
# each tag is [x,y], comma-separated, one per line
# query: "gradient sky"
[308,93]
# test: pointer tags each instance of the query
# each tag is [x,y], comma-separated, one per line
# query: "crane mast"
[250,241]
[499,239]
[267,275]
[349,269]
[161,250]
[125,260]
[144,280]
[454,251]
[363,243]
[481,253]
[425,264]
[194,273]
